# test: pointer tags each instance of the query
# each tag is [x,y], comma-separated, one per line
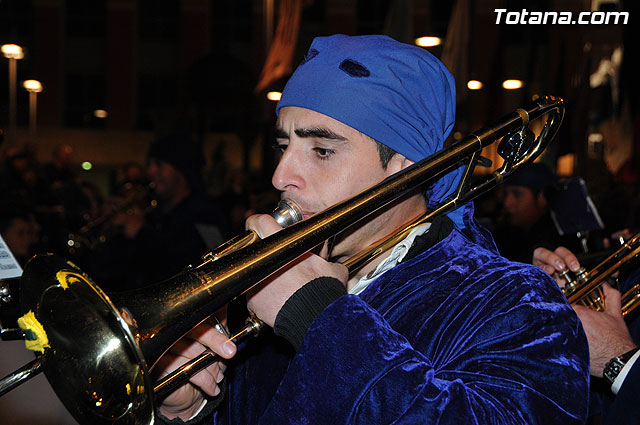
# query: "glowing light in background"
[512,84]
[428,41]
[12,51]
[474,85]
[274,95]
[100,113]
[32,86]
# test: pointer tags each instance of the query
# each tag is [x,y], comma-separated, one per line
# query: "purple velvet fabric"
[455,335]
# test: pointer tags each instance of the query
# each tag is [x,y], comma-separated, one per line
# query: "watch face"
[615,365]
[612,369]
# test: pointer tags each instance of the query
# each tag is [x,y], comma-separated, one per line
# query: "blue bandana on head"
[395,93]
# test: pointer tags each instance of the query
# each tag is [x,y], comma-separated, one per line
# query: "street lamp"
[13,52]
[33,87]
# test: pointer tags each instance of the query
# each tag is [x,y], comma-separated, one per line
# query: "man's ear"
[541,200]
[398,162]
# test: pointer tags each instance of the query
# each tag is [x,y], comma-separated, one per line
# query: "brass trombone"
[586,287]
[97,349]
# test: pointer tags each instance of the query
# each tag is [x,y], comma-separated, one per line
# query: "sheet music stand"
[573,211]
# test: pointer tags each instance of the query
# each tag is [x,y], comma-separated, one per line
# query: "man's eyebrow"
[320,133]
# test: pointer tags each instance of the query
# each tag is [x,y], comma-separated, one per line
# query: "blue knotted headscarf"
[398,94]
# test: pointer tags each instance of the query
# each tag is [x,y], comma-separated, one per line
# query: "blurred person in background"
[58,171]
[156,243]
[526,222]
[20,231]
[21,178]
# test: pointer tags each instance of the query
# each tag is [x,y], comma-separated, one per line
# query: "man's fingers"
[210,337]
[568,258]
[543,257]
[208,379]
[182,352]
[198,340]
[263,224]
[555,261]
[613,298]
[205,379]
[324,251]
[341,271]
[550,263]
[547,269]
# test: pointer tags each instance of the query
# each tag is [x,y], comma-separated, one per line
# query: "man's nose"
[287,175]
[509,200]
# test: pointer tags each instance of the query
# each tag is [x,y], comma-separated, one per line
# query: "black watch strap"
[615,365]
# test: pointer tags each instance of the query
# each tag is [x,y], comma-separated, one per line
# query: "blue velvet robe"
[455,335]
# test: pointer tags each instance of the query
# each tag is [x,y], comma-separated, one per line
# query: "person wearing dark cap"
[175,164]
[186,223]
[525,201]
[438,329]
[527,222]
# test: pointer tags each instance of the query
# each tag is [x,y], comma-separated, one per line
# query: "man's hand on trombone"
[264,301]
[186,401]
[267,298]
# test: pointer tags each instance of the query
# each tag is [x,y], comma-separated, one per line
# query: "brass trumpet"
[586,287]
[95,233]
[97,349]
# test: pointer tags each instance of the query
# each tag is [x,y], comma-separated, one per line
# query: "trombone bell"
[94,363]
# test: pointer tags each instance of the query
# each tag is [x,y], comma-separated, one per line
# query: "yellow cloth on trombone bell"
[36,337]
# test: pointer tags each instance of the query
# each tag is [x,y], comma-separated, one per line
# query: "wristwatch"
[615,365]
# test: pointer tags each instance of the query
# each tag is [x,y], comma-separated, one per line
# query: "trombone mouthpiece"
[287,213]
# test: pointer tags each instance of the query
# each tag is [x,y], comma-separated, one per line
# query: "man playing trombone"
[438,329]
